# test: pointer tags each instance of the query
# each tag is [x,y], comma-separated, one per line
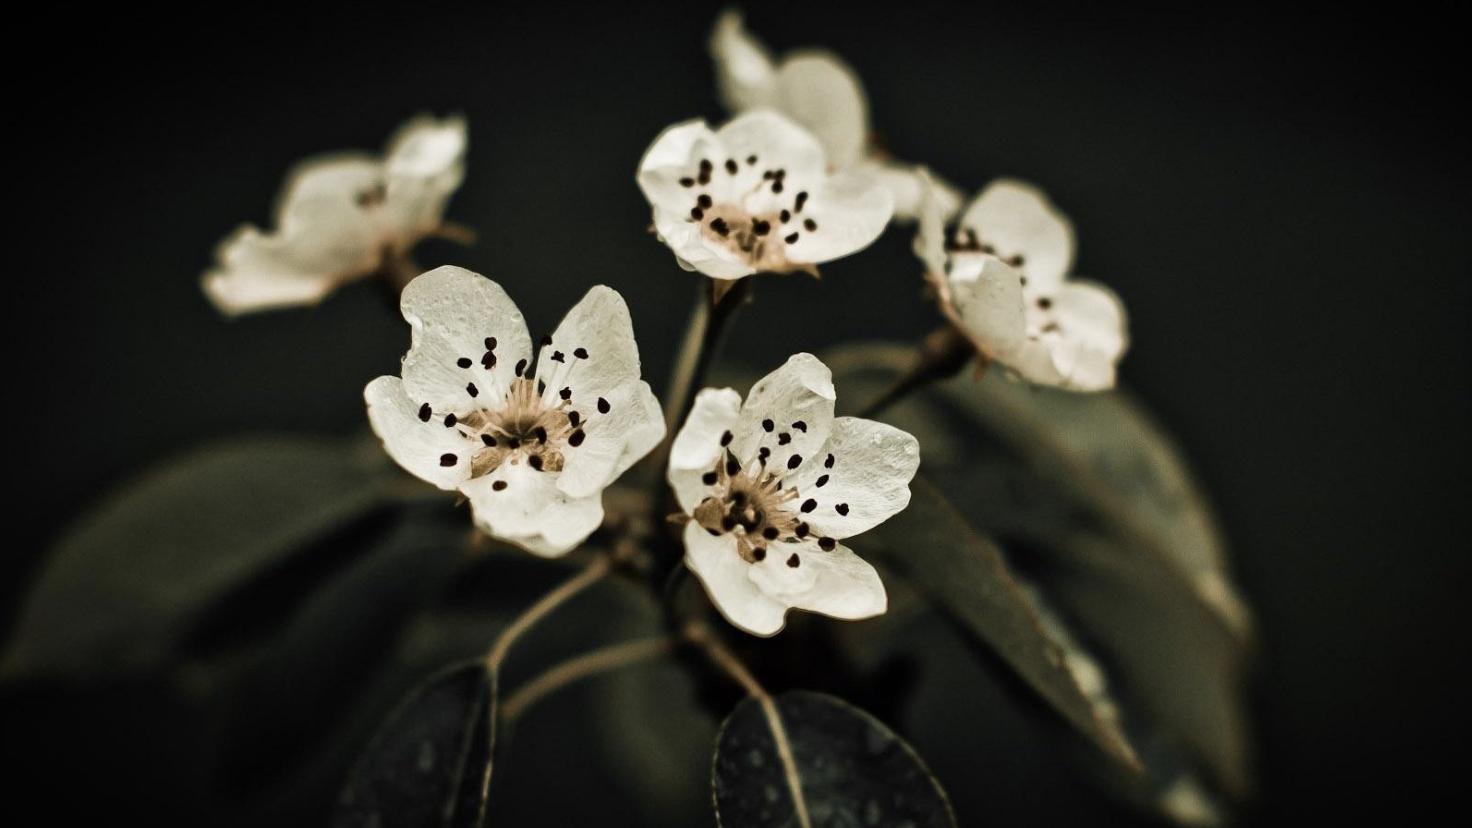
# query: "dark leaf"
[849,768]
[430,763]
[130,581]
[935,548]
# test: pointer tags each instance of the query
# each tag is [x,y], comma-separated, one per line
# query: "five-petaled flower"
[1001,278]
[341,218]
[773,484]
[819,90]
[532,446]
[756,195]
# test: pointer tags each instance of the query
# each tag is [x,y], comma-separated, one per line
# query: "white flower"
[341,218]
[1002,279]
[756,195]
[531,446]
[820,91]
[773,484]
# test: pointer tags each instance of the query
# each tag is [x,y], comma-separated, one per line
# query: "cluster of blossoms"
[769,485]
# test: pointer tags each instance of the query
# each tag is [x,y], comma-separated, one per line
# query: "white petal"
[428,147]
[776,139]
[868,481]
[907,183]
[258,272]
[745,76]
[715,562]
[425,165]
[795,400]
[846,585]
[698,445]
[613,442]
[323,238]
[930,234]
[1017,219]
[848,210]
[694,252]
[1089,341]
[987,298]
[530,511]
[418,444]
[453,313]
[599,329]
[818,90]
[669,159]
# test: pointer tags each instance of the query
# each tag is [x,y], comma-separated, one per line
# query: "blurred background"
[1280,200]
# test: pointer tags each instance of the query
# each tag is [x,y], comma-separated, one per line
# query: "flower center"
[525,427]
[751,210]
[752,505]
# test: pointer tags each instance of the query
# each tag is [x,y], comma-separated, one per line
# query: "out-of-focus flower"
[1001,278]
[342,217]
[819,90]
[531,446]
[756,195]
[773,484]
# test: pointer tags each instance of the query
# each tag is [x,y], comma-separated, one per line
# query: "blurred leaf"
[430,763]
[851,769]
[131,580]
[1097,510]
[932,544]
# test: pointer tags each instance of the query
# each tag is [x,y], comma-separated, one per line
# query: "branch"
[588,664]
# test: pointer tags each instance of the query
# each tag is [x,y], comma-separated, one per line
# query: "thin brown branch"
[590,575]
[722,657]
[580,667]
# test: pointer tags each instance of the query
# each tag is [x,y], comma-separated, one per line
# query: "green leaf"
[1093,502]
[133,579]
[430,763]
[846,766]
[932,545]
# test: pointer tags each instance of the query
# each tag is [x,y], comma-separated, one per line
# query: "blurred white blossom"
[342,217]
[771,485]
[1002,278]
[756,195]
[532,446]
[819,90]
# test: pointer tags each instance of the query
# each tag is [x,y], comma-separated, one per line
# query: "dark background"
[1280,201]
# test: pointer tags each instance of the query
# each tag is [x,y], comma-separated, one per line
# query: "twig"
[722,657]
[572,586]
[714,308]
[941,355]
[579,667]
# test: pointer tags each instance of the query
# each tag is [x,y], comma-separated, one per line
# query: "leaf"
[125,586]
[934,547]
[1094,503]
[850,769]
[430,763]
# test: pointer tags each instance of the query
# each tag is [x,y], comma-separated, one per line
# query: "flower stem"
[941,355]
[714,307]
[722,657]
[590,575]
[579,667]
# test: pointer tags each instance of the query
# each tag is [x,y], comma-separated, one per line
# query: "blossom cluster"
[769,485]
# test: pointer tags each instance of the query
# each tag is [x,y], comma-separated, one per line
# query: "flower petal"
[530,511]
[422,445]
[456,317]
[745,76]
[846,586]
[1017,219]
[699,443]
[593,351]
[906,184]
[425,164]
[866,482]
[1091,336]
[715,562]
[612,442]
[789,412]
[986,297]
[821,92]
[847,213]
